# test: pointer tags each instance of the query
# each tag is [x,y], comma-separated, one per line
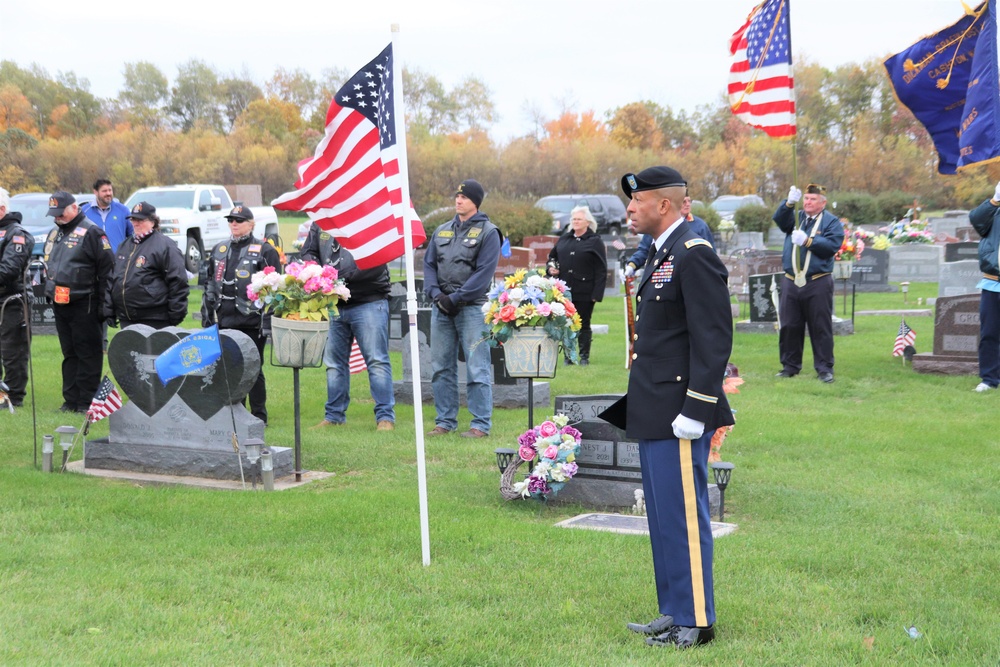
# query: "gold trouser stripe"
[693,534]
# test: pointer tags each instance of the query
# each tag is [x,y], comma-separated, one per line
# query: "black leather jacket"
[79,260]
[15,252]
[149,282]
[231,265]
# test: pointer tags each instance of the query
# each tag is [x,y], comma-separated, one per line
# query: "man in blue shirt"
[108,214]
[698,226]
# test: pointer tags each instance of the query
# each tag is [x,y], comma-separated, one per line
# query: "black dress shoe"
[656,627]
[785,374]
[826,377]
[66,407]
[681,637]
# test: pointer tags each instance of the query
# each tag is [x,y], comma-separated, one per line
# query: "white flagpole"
[411,292]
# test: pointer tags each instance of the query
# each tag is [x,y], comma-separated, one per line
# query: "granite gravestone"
[751,240]
[959,278]
[956,337]
[43,317]
[185,427]
[540,247]
[609,470]
[871,272]
[764,293]
[956,252]
[946,226]
[520,258]
[915,262]
[967,233]
[398,315]
[508,392]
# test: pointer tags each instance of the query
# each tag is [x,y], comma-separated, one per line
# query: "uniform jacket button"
[634,356]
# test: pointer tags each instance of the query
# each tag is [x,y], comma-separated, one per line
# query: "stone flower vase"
[530,353]
[298,343]
[842,270]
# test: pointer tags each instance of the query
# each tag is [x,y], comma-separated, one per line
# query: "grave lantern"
[253,447]
[722,471]
[504,457]
[267,469]
[904,287]
[66,434]
[48,446]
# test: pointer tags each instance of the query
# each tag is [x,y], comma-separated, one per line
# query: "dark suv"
[608,211]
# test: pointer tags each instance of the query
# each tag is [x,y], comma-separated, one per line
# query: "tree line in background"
[853,137]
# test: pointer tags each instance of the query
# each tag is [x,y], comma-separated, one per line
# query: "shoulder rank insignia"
[694,242]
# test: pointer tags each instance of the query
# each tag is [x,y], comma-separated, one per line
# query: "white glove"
[629,271]
[996,195]
[794,194]
[799,237]
[687,429]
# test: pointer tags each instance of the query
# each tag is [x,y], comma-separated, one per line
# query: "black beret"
[653,178]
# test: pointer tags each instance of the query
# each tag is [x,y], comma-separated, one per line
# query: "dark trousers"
[675,484]
[81,338]
[810,305]
[258,392]
[14,347]
[586,310]
[989,337]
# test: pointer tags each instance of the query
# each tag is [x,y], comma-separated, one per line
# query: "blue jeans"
[447,333]
[989,337]
[369,323]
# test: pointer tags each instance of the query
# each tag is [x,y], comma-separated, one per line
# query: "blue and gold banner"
[949,81]
[190,354]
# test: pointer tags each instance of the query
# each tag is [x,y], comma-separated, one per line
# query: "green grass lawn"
[863,507]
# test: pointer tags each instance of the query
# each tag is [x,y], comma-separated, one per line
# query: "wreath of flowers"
[553,447]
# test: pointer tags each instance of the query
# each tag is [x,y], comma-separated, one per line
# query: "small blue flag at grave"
[505,248]
[189,355]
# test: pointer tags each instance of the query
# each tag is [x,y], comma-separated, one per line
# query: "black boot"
[585,338]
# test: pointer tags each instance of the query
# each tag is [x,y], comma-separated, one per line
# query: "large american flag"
[106,401]
[761,88]
[905,337]
[351,187]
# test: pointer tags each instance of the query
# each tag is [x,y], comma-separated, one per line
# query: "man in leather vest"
[79,260]
[812,238]
[459,265]
[230,267]
[365,317]
[15,251]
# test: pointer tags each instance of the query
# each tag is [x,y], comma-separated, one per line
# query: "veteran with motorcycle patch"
[79,261]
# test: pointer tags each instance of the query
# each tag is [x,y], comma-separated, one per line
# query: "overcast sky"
[546,54]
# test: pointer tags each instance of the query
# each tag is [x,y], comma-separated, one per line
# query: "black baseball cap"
[142,211]
[653,178]
[58,203]
[241,213]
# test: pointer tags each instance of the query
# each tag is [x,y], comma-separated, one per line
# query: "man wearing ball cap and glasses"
[812,238]
[682,341]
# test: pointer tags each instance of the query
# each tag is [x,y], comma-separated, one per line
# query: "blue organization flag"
[505,248]
[193,353]
[949,80]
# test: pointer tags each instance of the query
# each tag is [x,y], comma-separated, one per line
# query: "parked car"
[608,211]
[726,205]
[194,216]
[34,208]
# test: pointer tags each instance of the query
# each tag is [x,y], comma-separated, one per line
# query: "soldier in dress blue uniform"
[683,338]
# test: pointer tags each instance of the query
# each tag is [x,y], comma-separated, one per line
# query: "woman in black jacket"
[579,258]
[149,284]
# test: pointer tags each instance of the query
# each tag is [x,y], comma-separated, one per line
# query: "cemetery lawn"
[864,507]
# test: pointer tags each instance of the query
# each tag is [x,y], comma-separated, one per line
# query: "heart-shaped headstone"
[131,354]
[226,381]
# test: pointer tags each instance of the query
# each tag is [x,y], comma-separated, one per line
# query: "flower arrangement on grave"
[905,231]
[730,386]
[552,447]
[850,249]
[880,242]
[529,298]
[305,291]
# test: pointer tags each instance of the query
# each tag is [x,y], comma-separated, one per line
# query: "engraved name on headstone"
[956,325]
[959,278]
[915,262]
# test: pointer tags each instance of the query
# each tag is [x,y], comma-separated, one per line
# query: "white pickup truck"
[194,216]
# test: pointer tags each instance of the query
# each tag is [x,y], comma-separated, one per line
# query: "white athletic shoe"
[982,386]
